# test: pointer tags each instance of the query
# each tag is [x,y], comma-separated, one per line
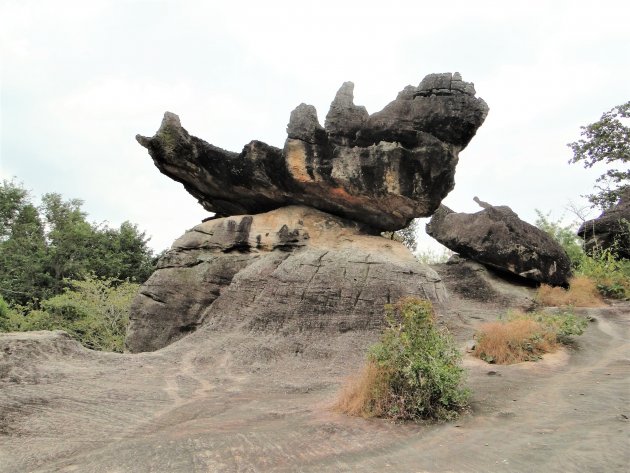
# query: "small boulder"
[611,230]
[496,237]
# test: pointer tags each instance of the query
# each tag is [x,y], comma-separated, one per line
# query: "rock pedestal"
[291,270]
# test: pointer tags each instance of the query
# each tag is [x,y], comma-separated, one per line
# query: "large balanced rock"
[382,169]
[611,230]
[496,237]
[291,270]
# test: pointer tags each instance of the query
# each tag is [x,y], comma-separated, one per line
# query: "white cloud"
[80,79]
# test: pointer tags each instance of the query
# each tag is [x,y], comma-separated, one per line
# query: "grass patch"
[413,373]
[610,274]
[582,292]
[526,337]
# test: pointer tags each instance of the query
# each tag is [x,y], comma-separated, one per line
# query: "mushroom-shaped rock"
[496,237]
[381,170]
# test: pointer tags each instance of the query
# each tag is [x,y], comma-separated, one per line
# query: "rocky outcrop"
[291,270]
[611,230]
[473,283]
[382,169]
[496,237]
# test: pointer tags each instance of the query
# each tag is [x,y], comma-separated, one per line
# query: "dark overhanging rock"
[611,230]
[496,237]
[382,170]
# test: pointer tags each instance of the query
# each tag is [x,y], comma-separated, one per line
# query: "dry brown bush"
[582,292]
[361,393]
[507,342]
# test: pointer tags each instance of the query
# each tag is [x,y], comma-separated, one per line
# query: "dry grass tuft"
[582,292]
[513,341]
[361,393]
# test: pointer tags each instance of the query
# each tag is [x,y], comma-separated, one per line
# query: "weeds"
[610,274]
[526,337]
[413,373]
[582,292]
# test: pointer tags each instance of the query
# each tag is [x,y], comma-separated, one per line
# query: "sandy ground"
[233,402]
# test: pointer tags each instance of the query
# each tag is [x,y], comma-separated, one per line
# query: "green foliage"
[565,235]
[611,275]
[407,236]
[429,256]
[421,363]
[563,324]
[94,311]
[41,248]
[12,199]
[5,312]
[606,141]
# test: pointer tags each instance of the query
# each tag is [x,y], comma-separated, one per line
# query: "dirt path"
[227,402]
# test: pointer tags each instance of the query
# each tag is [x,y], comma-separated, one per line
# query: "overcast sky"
[80,78]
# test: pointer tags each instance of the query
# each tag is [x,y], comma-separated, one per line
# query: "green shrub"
[5,325]
[94,311]
[611,275]
[415,371]
[563,324]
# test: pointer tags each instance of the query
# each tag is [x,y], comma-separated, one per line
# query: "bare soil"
[257,402]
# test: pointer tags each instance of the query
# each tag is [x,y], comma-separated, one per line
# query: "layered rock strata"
[382,169]
[290,270]
[496,237]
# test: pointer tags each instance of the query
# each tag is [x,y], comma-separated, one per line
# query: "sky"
[79,79]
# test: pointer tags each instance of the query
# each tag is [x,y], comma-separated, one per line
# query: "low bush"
[582,292]
[413,373]
[94,311]
[610,274]
[526,337]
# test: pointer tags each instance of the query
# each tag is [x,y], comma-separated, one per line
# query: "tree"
[566,235]
[69,238]
[42,247]
[406,236]
[606,141]
[12,198]
[22,259]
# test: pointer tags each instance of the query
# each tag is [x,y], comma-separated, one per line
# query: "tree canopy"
[41,247]
[607,141]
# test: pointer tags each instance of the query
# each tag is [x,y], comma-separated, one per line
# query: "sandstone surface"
[611,230]
[498,238]
[291,270]
[382,169]
[227,401]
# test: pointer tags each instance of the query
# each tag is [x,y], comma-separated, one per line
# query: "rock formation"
[294,244]
[497,238]
[291,270]
[610,230]
[382,169]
